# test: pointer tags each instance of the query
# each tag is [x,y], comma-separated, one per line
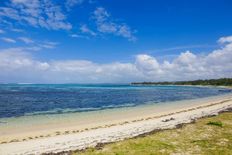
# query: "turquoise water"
[34,99]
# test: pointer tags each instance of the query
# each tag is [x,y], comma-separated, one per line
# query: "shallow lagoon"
[36,99]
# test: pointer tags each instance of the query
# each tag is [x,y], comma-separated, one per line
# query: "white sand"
[131,128]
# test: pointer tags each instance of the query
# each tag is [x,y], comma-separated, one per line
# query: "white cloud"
[37,13]
[146,62]
[101,15]
[33,48]
[186,58]
[9,40]
[197,46]
[17,30]
[85,29]
[71,3]
[37,45]
[17,65]
[105,24]
[78,36]
[125,31]
[74,35]
[26,40]
[227,39]
[48,44]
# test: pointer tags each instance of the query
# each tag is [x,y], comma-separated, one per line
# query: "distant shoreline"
[227,82]
[210,86]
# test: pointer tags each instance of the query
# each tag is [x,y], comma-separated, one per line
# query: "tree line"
[213,82]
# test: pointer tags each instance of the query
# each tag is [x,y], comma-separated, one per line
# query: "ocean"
[37,99]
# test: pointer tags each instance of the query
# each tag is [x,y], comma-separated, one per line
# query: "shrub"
[217,123]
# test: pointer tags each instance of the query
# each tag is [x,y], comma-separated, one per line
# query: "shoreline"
[40,126]
[112,131]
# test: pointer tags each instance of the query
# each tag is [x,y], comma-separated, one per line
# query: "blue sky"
[105,33]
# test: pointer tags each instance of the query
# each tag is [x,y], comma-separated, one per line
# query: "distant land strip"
[208,82]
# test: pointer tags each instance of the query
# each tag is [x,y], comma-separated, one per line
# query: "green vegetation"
[215,123]
[197,138]
[213,82]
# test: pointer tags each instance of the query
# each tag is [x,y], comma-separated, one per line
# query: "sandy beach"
[76,131]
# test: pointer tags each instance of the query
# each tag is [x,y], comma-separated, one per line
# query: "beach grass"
[211,135]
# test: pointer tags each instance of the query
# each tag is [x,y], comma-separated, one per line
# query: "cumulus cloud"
[9,40]
[227,39]
[37,13]
[17,65]
[146,63]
